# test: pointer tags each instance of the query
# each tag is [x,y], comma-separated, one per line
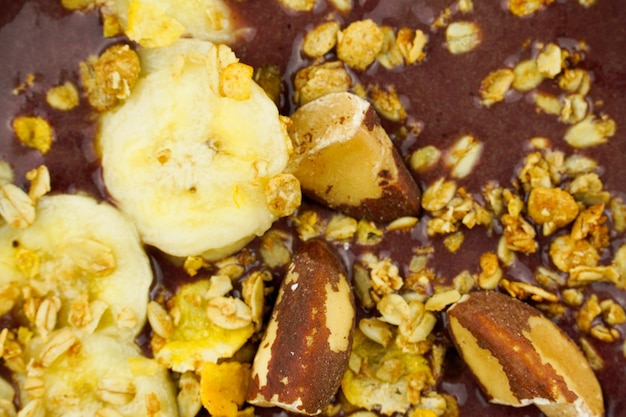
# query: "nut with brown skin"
[519,357]
[345,160]
[306,346]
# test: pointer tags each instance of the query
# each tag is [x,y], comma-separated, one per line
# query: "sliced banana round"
[196,155]
[81,264]
[74,374]
[157,23]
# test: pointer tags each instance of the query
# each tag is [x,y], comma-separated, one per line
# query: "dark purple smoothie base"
[440,93]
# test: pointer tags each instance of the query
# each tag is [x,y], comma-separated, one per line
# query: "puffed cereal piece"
[552,208]
[110,77]
[321,39]
[63,97]
[34,132]
[360,43]
[316,81]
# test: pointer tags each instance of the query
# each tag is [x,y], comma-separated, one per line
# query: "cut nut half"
[344,159]
[519,357]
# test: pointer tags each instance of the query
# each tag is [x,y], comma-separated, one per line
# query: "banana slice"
[196,155]
[80,263]
[74,374]
[158,23]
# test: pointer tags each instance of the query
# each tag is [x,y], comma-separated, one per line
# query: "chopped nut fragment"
[359,44]
[34,132]
[318,80]
[462,37]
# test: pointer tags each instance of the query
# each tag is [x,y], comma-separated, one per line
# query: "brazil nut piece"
[344,159]
[306,346]
[520,357]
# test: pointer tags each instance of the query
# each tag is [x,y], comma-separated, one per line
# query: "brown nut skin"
[519,357]
[345,160]
[306,346]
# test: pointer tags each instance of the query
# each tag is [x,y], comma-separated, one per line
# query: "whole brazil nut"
[306,346]
[520,357]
